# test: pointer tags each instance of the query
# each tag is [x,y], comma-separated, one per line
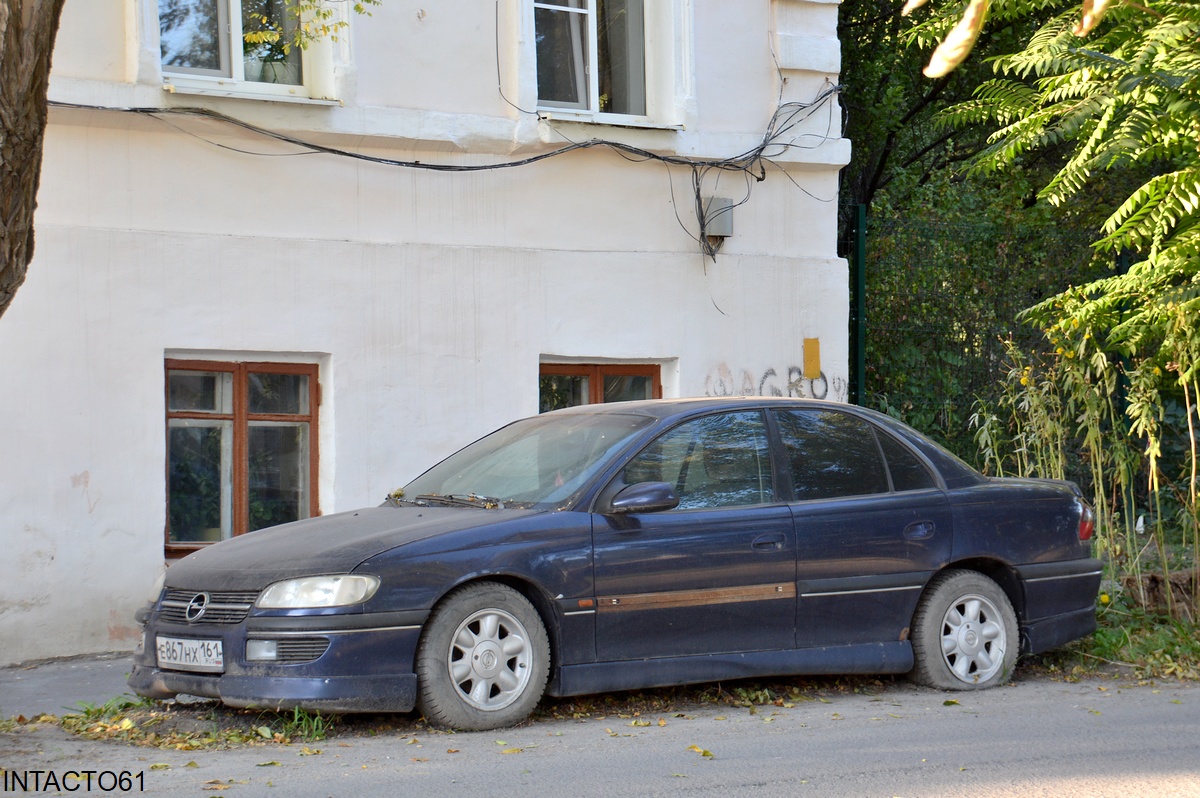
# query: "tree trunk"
[27,31]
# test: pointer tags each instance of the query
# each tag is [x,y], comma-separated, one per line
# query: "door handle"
[919,530]
[772,542]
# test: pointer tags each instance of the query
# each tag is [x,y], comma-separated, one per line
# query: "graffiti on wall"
[791,382]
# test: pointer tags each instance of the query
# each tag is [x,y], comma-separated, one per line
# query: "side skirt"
[603,677]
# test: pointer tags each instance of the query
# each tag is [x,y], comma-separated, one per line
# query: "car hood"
[329,544]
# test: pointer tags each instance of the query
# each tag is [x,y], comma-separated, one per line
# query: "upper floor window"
[591,55]
[209,38]
[241,448]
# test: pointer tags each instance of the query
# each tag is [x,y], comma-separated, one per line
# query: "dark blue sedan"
[635,545]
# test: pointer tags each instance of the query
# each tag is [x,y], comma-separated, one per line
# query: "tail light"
[1087,521]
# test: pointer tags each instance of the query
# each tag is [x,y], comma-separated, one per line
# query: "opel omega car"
[635,545]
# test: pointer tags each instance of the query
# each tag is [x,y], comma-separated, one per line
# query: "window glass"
[200,391]
[831,454]
[536,462]
[621,56]
[557,391]
[908,472]
[278,473]
[601,38]
[278,393]
[201,37]
[190,34]
[716,461]
[627,388]
[199,479]
[562,55]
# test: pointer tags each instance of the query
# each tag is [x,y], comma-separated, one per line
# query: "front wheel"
[483,660]
[964,633]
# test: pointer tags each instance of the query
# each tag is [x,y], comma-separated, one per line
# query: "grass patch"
[206,725]
[1130,641]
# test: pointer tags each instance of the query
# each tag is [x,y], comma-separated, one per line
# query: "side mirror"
[644,497]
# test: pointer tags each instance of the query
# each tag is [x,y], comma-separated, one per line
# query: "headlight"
[311,592]
[158,588]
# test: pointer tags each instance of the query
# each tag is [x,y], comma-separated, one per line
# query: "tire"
[964,633]
[483,659]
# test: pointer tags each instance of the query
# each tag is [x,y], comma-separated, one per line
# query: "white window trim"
[668,32]
[318,87]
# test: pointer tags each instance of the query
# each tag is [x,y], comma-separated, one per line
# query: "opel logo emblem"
[196,607]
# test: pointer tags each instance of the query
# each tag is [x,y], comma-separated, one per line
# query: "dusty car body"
[635,545]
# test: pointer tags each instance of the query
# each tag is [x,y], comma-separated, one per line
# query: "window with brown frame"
[570,384]
[241,448]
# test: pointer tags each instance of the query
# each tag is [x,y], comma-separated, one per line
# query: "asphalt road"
[1038,737]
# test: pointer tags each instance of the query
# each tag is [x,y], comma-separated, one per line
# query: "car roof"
[665,408]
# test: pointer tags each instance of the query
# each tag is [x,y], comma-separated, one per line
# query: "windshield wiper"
[462,500]
[396,498]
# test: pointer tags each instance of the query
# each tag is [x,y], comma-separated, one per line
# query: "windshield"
[537,462]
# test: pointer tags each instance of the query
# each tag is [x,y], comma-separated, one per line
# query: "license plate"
[190,655]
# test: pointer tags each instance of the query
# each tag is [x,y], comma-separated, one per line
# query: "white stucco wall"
[427,298]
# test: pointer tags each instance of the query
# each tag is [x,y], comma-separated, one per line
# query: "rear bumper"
[1060,602]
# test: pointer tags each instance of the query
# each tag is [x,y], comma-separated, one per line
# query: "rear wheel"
[483,659]
[964,633]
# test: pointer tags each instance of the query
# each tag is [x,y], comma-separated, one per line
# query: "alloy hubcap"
[973,639]
[489,659]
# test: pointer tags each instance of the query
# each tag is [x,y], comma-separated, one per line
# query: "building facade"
[270,285]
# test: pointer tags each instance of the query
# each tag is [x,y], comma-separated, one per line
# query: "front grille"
[301,649]
[222,607]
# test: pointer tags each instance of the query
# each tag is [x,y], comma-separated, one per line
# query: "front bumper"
[367,667]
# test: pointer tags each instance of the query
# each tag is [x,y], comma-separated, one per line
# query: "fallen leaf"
[419,758]
[192,764]
[306,751]
[701,751]
[662,722]
[720,717]
[265,732]
[274,763]
[512,750]
[639,723]
[951,702]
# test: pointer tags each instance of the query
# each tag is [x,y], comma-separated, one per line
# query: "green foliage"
[1107,389]
[273,35]
[298,725]
[950,264]
[1154,647]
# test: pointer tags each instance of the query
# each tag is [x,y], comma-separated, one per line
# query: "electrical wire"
[752,163]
